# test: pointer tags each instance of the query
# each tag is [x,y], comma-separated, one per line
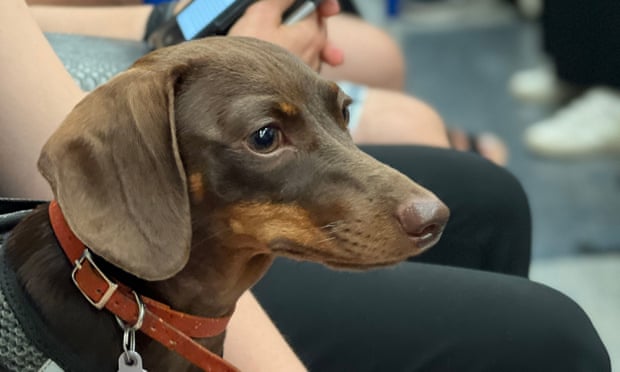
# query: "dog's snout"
[423,219]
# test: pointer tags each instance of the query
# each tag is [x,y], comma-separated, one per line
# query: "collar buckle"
[111,286]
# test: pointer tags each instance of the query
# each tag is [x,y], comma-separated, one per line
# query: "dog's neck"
[216,275]
[210,285]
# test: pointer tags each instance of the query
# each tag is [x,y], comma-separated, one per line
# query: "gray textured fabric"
[94,60]
[16,352]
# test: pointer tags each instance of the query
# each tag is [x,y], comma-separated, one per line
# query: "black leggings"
[427,317]
[583,40]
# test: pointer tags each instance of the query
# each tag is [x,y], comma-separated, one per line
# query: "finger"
[279,6]
[332,55]
[267,12]
[329,8]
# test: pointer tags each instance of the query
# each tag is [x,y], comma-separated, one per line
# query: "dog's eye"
[265,140]
[345,114]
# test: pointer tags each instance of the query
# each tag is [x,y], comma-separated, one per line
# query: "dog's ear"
[115,170]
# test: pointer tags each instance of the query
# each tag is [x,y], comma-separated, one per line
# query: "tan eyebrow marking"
[196,187]
[288,108]
[333,87]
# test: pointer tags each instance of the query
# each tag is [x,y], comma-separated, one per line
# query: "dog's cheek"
[268,222]
[196,187]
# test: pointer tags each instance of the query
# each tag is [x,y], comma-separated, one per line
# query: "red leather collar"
[171,328]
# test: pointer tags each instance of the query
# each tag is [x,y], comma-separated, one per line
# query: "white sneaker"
[538,85]
[589,125]
[531,9]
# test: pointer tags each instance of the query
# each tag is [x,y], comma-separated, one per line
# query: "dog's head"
[229,138]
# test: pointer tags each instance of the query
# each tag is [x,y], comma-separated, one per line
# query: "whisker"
[326,240]
[332,225]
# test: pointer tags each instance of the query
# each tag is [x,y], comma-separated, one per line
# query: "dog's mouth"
[333,260]
[425,241]
[417,245]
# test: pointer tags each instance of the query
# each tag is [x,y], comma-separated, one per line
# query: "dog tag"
[136,366]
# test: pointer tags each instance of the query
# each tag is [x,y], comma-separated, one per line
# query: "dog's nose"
[423,219]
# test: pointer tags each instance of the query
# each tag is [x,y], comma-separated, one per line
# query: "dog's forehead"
[257,64]
[248,81]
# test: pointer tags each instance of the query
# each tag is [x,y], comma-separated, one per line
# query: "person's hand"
[307,38]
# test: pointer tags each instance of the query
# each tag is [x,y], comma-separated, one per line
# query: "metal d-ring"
[138,324]
[129,332]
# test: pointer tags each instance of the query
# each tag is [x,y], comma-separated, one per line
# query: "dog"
[188,173]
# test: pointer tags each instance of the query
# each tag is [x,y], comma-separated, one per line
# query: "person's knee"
[492,191]
[394,118]
[504,196]
[553,333]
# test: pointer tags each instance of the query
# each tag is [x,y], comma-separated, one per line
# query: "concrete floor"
[460,56]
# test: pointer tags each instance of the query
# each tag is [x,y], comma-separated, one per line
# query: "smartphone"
[202,18]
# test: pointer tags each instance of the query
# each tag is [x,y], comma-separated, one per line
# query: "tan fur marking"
[236,226]
[266,222]
[288,108]
[196,187]
[334,87]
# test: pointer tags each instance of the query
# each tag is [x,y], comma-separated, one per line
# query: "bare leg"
[390,117]
[129,21]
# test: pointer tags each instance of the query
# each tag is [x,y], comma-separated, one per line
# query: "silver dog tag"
[134,358]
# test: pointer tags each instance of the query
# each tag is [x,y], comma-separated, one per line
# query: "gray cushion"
[94,60]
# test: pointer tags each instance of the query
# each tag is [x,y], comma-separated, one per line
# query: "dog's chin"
[420,244]
[360,266]
[410,246]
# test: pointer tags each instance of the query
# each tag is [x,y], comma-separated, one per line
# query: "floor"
[460,56]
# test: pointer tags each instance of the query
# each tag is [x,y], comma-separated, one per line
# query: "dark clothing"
[424,317]
[583,40]
[347,6]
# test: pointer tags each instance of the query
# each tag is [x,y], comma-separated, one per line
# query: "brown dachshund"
[188,173]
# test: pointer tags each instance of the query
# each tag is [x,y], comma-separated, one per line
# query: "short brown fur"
[154,173]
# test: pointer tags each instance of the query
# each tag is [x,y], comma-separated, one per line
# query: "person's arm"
[123,22]
[254,344]
[37,92]
[85,2]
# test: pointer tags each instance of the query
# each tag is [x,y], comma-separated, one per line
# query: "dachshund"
[188,173]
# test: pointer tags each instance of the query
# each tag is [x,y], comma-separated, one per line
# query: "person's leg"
[389,117]
[420,317]
[380,116]
[490,222]
[583,39]
[456,319]
[349,328]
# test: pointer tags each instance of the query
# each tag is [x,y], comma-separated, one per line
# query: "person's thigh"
[390,117]
[421,317]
